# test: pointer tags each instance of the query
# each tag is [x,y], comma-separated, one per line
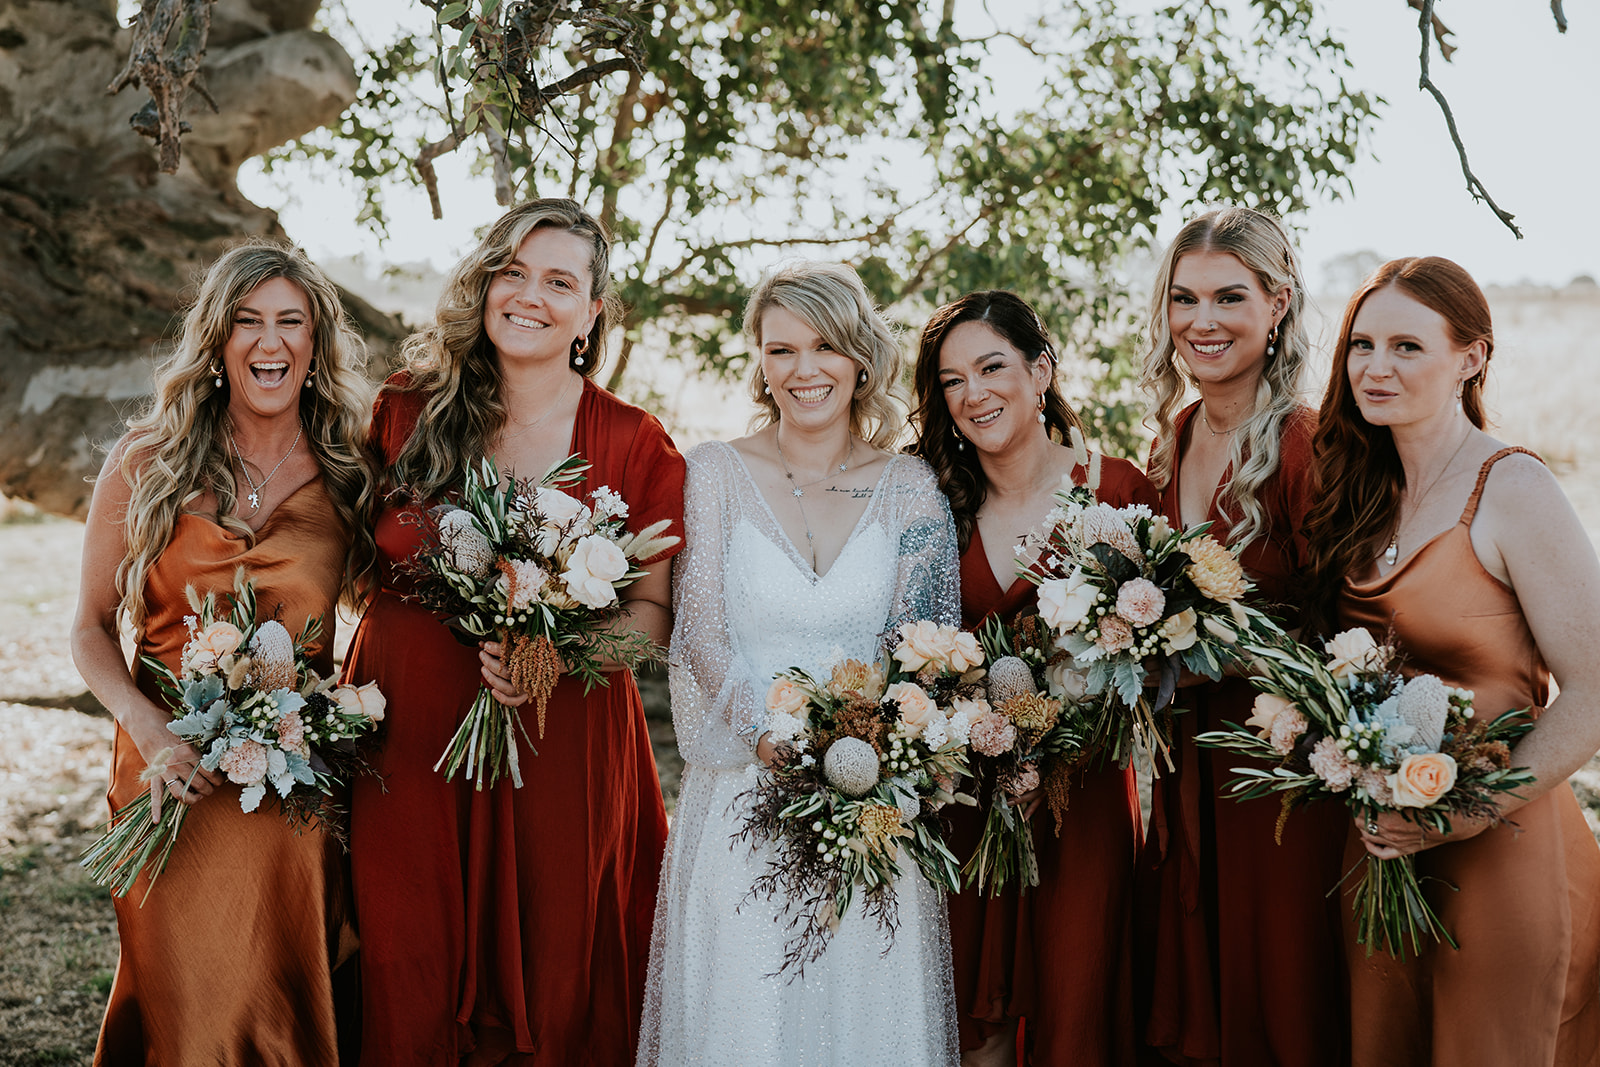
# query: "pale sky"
[1524,97]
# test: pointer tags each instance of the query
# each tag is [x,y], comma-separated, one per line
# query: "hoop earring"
[1272,341]
[216,371]
[1041,409]
[961,442]
[580,345]
[311,373]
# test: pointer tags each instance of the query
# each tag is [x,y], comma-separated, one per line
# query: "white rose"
[594,564]
[360,700]
[1065,681]
[1066,602]
[556,507]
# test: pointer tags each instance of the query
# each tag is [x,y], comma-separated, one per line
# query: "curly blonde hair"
[831,299]
[174,451]
[454,365]
[1260,243]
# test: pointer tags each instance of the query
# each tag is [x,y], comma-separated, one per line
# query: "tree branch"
[430,180]
[1440,30]
[166,74]
[1474,186]
[1560,16]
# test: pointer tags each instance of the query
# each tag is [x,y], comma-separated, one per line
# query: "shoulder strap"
[1483,476]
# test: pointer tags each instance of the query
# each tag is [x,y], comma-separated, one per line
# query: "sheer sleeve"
[928,579]
[714,705]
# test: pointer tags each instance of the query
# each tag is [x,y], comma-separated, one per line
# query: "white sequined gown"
[747,605]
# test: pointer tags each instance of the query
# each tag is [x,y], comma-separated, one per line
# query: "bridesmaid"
[1469,550]
[993,425]
[509,925]
[1239,951]
[251,455]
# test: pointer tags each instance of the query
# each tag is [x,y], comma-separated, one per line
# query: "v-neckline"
[271,516]
[788,542]
[1213,513]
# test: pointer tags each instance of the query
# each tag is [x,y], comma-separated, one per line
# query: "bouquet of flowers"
[247,699]
[1126,593]
[1028,730]
[866,757]
[539,569]
[1345,723]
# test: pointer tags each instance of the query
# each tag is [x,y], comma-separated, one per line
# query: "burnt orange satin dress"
[1524,988]
[512,923]
[1060,955]
[230,960]
[1238,946]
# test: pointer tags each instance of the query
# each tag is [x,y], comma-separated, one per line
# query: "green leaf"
[451,12]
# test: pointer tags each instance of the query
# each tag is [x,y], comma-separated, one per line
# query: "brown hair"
[959,471]
[1358,472]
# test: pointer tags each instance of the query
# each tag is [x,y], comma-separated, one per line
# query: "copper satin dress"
[1239,947]
[229,962]
[1524,988]
[1061,954]
[514,916]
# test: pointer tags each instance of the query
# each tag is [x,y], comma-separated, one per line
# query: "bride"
[805,540]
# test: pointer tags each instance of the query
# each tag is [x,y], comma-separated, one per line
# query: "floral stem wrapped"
[1129,596]
[1028,732]
[1344,723]
[866,758]
[540,570]
[247,699]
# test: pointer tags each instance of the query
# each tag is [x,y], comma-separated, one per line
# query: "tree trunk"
[99,251]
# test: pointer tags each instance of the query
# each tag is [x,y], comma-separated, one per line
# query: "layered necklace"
[256,487]
[798,489]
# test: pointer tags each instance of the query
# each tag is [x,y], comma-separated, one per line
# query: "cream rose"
[921,643]
[916,706]
[1066,602]
[965,652]
[210,645]
[360,700]
[594,564]
[1179,631]
[1065,680]
[555,507]
[1353,652]
[1422,780]
[1265,712]
[785,695]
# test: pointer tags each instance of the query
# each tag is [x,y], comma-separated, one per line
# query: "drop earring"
[861,379]
[766,387]
[1272,341]
[1041,409]
[580,345]
[311,374]
[216,371]
[961,442]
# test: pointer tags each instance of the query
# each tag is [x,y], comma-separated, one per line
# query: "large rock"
[98,251]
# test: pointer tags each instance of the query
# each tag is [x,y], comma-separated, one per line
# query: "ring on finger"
[1372,825]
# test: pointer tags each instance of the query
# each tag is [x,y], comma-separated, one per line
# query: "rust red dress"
[1060,955]
[1239,950]
[1524,988]
[507,917]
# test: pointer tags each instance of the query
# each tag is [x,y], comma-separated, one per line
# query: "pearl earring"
[862,377]
[766,387]
[1041,409]
[311,373]
[1272,341]
[216,370]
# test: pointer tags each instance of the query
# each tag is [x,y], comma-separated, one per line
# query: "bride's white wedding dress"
[747,606]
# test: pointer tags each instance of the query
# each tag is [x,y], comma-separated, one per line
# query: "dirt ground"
[58,946]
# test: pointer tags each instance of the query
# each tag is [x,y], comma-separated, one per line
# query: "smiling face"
[1220,317]
[812,383]
[268,351]
[1403,365]
[991,390]
[541,302]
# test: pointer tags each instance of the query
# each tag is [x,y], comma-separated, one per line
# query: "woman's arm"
[97,647]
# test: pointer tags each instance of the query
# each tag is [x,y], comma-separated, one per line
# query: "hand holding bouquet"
[866,758]
[1344,723]
[249,702]
[540,570]
[1126,593]
[1028,732]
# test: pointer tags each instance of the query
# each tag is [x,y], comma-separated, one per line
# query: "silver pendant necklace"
[255,488]
[798,491]
[1392,553]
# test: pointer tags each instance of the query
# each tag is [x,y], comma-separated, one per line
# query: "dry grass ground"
[57,932]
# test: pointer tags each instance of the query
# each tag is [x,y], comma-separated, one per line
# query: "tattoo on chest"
[854,493]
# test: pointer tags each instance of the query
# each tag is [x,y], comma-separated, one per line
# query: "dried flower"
[466,549]
[534,666]
[523,579]
[1033,715]
[880,824]
[1425,704]
[1008,677]
[1101,525]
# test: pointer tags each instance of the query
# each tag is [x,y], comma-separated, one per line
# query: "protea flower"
[272,649]
[1008,677]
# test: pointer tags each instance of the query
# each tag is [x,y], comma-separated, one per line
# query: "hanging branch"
[1560,16]
[1429,27]
[167,74]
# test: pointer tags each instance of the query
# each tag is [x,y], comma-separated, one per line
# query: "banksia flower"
[1008,677]
[851,767]
[1424,704]
[1101,525]
[469,551]
[534,666]
[273,651]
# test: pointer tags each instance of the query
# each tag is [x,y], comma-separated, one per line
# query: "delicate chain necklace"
[1392,553]
[799,491]
[255,488]
[1217,433]
[550,411]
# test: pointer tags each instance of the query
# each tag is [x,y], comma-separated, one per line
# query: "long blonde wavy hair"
[454,365]
[175,451]
[1261,244]
[831,299]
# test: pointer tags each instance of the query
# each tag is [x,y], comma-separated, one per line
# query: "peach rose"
[965,652]
[1353,652]
[360,700]
[785,695]
[1422,780]
[921,643]
[916,706]
[210,645]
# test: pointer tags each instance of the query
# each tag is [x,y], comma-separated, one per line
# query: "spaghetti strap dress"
[506,918]
[1524,987]
[1060,955]
[231,959]
[1239,952]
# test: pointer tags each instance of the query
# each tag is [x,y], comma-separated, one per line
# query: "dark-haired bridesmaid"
[1469,551]
[1239,944]
[993,424]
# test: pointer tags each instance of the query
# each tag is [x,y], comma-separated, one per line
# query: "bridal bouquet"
[539,569]
[247,699]
[1344,723]
[1128,594]
[1028,731]
[866,758]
